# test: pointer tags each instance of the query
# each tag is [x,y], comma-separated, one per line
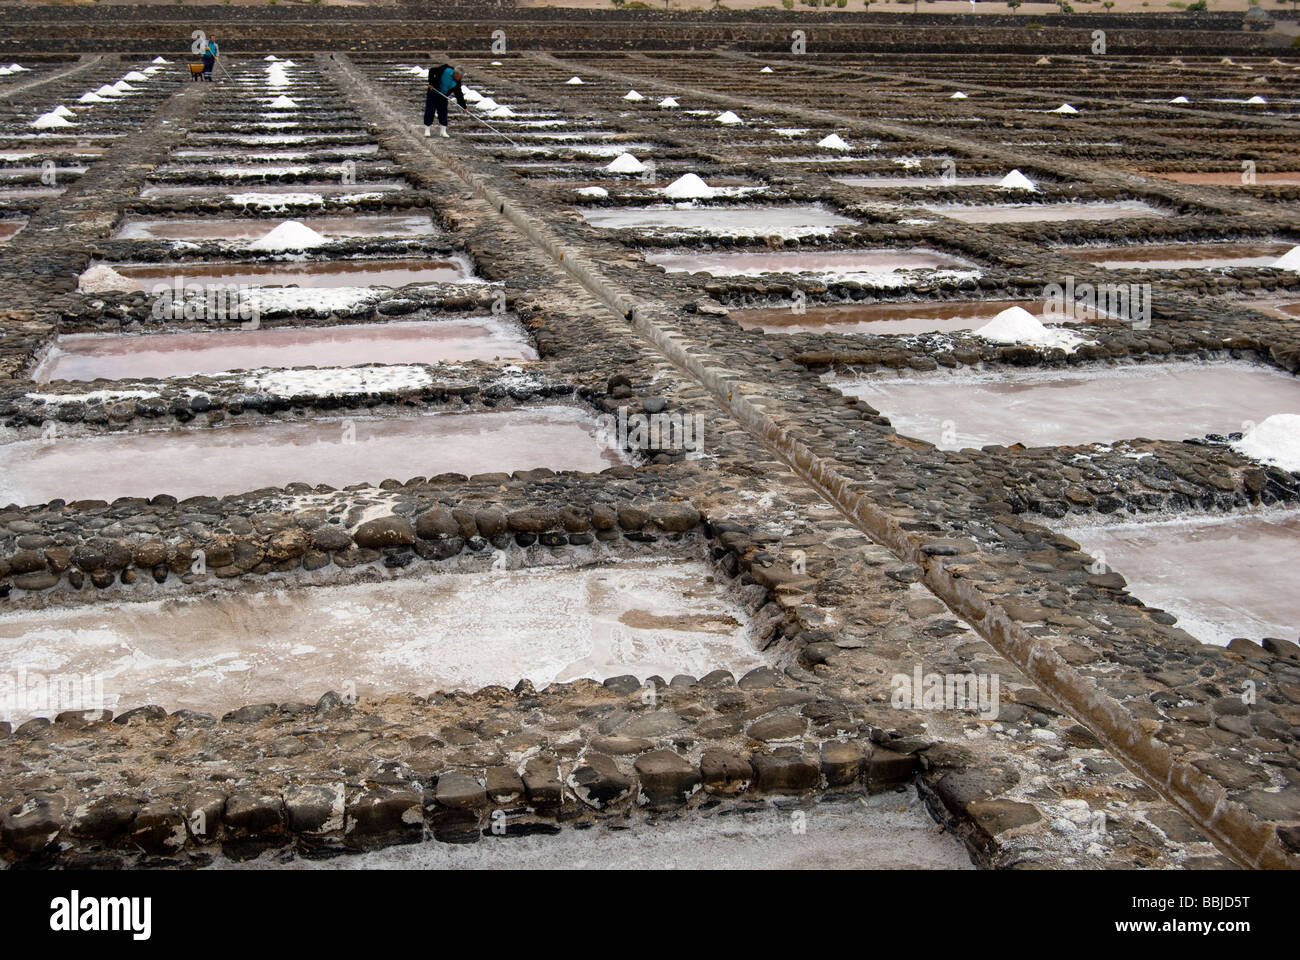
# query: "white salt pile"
[1180,100]
[729,118]
[502,111]
[1018,325]
[1257,99]
[574,81]
[123,86]
[1227,60]
[668,102]
[625,163]
[106,91]
[159,60]
[496,63]
[833,142]
[63,111]
[91,98]
[101,278]
[1065,108]
[276,76]
[283,103]
[135,76]
[290,235]
[766,70]
[1176,62]
[632,95]
[270,58]
[12,68]
[1276,440]
[1289,260]
[1042,62]
[287,63]
[1015,180]
[958,96]
[689,187]
[471,95]
[592,192]
[484,103]
[48,121]
[790,131]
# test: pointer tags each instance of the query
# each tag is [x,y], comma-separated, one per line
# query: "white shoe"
[444,131]
[428,131]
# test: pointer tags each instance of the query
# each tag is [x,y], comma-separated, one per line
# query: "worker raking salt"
[444,83]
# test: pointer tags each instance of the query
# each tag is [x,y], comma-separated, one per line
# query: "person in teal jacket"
[210,54]
[444,83]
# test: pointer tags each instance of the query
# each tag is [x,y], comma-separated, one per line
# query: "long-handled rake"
[475,116]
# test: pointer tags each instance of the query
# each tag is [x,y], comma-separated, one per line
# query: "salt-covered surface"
[309,274]
[1018,325]
[1044,212]
[1275,440]
[865,265]
[273,194]
[1176,256]
[232,459]
[592,192]
[878,182]
[1162,401]
[889,831]
[785,221]
[1222,576]
[880,319]
[412,634]
[384,225]
[88,356]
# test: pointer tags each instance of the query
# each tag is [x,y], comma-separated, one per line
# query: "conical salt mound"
[1042,62]
[833,142]
[958,96]
[270,58]
[48,121]
[1065,108]
[1180,100]
[501,112]
[668,102]
[574,81]
[290,235]
[767,70]
[283,103]
[729,118]
[106,91]
[1289,260]
[689,187]
[101,278]
[91,98]
[1257,99]
[135,76]
[632,95]
[625,163]
[1274,440]
[63,111]
[1015,180]
[159,60]
[1018,325]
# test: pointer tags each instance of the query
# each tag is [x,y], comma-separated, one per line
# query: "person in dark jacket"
[444,83]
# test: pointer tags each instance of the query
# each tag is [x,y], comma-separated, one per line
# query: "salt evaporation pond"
[230,190]
[1222,576]
[1228,178]
[866,265]
[10,228]
[890,319]
[330,227]
[1164,401]
[90,356]
[416,635]
[217,461]
[1175,256]
[889,831]
[790,221]
[918,182]
[316,274]
[1042,212]
[1281,308]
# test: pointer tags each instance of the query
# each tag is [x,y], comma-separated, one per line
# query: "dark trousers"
[435,105]
[208,61]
